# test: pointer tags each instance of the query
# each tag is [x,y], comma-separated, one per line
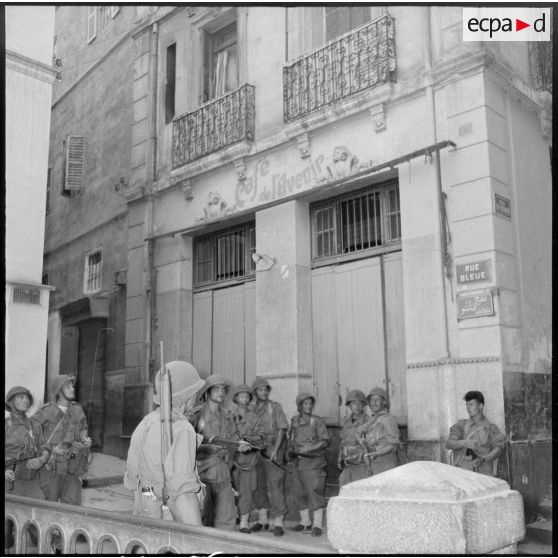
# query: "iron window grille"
[353,62]
[24,294]
[356,223]
[93,271]
[225,255]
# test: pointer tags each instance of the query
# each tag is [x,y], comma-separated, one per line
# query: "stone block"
[426,507]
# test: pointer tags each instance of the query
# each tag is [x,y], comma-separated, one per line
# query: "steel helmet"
[378,391]
[259,382]
[17,390]
[240,389]
[59,382]
[356,395]
[214,380]
[302,396]
[185,382]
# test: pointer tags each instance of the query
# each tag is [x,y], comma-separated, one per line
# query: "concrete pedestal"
[425,507]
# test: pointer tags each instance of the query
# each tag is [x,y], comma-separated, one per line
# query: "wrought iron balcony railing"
[351,63]
[215,125]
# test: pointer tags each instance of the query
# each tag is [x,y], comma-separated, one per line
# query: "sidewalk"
[103,489]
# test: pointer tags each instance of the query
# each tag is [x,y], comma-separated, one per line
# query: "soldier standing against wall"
[64,428]
[351,451]
[145,475]
[214,461]
[476,442]
[23,440]
[270,493]
[308,438]
[249,428]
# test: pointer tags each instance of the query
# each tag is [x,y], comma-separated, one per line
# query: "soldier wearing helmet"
[23,439]
[271,478]
[380,433]
[214,461]
[351,452]
[144,474]
[308,438]
[64,427]
[248,427]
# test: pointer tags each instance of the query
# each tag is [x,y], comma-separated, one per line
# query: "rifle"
[293,454]
[11,464]
[166,425]
[231,444]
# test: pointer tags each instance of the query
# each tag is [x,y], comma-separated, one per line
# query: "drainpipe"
[148,217]
[431,102]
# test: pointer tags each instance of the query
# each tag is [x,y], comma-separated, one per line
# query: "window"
[225,255]
[48,188]
[354,223]
[220,62]
[107,14]
[93,272]
[91,23]
[342,19]
[74,163]
[170,84]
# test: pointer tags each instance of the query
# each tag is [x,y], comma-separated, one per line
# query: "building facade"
[29,79]
[321,195]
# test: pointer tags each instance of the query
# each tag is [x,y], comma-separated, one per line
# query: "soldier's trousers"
[353,473]
[219,509]
[29,488]
[66,488]
[246,483]
[308,488]
[270,493]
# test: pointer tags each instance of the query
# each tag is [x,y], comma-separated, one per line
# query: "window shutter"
[75,161]
[91,23]
[48,188]
[341,19]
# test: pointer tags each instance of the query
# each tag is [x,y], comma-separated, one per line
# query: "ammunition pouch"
[23,473]
[77,460]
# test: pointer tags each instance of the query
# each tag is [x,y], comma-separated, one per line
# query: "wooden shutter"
[91,23]
[341,19]
[75,162]
[48,188]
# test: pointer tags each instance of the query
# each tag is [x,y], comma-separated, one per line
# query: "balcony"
[349,64]
[215,125]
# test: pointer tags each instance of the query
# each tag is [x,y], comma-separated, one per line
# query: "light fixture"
[263,261]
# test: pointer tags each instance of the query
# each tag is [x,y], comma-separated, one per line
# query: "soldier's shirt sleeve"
[497,438]
[321,431]
[180,462]
[280,418]
[391,430]
[457,431]
[131,476]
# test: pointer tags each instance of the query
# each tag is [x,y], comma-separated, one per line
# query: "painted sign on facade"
[502,206]
[473,272]
[474,306]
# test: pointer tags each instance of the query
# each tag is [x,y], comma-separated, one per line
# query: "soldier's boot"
[262,522]
[318,525]
[305,522]
[244,523]
[278,530]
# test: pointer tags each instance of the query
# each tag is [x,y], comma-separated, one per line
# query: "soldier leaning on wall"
[476,442]
[64,428]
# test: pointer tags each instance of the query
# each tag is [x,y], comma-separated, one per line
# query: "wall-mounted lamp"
[263,261]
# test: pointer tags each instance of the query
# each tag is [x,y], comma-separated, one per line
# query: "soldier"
[308,438]
[64,428]
[381,434]
[23,440]
[249,428]
[214,461]
[271,478]
[351,451]
[477,442]
[145,475]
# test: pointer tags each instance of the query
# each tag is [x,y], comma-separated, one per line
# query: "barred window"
[363,220]
[93,272]
[26,294]
[225,255]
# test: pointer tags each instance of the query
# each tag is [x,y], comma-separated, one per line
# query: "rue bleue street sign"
[473,272]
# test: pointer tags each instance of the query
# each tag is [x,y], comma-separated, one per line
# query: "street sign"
[474,306]
[502,206]
[473,272]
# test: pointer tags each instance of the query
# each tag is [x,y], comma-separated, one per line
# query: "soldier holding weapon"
[161,464]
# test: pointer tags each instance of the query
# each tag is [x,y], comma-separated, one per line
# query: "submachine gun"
[235,445]
[11,464]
